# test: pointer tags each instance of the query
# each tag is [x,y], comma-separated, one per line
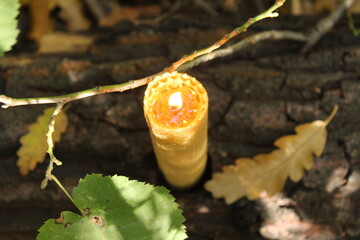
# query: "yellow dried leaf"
[72,13]
[40,18]
[42,22]
[57,42]
[266,174]
[33,144]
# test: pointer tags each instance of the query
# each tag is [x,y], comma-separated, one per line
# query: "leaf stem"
[66,192]
[332,115]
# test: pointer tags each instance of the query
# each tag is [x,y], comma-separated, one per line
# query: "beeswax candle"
[176,111]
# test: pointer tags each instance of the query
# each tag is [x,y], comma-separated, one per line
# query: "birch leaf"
[120,209]
[33,144]
[266,174]
[9,9]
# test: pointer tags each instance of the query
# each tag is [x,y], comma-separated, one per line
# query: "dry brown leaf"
[40,18]
[33,144]
[266,174]
[71,12]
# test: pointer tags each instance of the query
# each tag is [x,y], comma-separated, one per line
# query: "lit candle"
[176,111]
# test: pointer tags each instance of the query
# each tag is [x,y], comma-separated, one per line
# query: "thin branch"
[324,25]
[50,143]
[49,139]
[176,6]
[63,99]
[207,8]
[267,14]
[198,57]
[272,34]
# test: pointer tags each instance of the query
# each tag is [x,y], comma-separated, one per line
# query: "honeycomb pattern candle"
[176,111]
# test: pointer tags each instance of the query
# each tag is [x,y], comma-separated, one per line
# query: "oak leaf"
[265,174]
[33,144]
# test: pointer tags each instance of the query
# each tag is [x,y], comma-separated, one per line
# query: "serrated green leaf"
[118,208]
[9,9]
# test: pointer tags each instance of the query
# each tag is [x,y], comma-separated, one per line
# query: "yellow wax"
[176,111]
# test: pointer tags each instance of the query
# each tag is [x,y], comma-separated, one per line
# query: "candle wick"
[175,101]
[174,108]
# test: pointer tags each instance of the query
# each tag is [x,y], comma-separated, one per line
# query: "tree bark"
[256,96]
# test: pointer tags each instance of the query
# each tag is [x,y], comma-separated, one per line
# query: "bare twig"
[49,139]
[267,14]
[207,8]
[176,6]
[273,34]
[63,99]
[324,25]
[198,57]
[50,143]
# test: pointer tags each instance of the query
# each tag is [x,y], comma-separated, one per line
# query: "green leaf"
[118,208]
[9,9]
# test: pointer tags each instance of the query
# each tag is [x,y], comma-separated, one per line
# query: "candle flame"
[175,101]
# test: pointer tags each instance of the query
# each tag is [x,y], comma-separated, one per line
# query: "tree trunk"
[256,96]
